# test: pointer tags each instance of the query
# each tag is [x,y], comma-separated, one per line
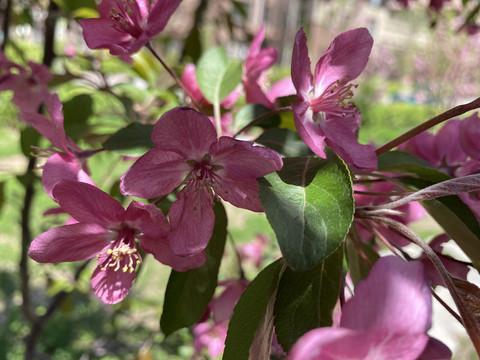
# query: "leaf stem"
[456,111]
[261,117]
[173,75]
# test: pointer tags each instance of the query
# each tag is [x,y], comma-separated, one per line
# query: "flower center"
[203,172]
[336,99]
[127,17]
[122,254]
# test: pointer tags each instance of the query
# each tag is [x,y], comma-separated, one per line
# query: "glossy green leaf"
[251,311]
[309,204]
[217,76]
[405,163]
[133,140]
[305,300]
[284,141]
[29,137]
[188,293]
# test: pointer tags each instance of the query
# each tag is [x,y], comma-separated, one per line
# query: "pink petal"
[156,173]
[184,131]
[160,12]
[301,73]
[62,167]
[190,82]
[241,159]
[255,47]
[101,34]
[394,299]
[307,129]
[73,242]
[224,304]
[345,144]
[450,151]
[255,95]
[111,286]
[281,88]
[345,58]
[192,219]
[242,193]
[469,136]
[87,203]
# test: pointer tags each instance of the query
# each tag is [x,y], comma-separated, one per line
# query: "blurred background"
[424,61]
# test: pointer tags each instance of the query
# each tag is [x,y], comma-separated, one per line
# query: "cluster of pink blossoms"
[390,313]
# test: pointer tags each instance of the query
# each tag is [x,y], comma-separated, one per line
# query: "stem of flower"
[456,111]
[173,75]
[261,117]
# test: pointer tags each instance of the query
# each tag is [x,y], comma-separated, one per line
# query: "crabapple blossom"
[324,112]
[387,318]
[105,230]
[124,26]
[188,152]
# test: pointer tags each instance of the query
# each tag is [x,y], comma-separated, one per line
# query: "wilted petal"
[192,219]
[345,58]
[156,173]
[87,203]
[111,286]
[184,131]
[301,73]
[73,242]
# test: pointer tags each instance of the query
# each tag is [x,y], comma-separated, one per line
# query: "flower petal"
[241,159]
[192,219]
[100,33]
[87,203]
[111,286]
[242,193]
[394,299]
[160,12]
[345,58]
[73,242]
[469,136]
[184,131]
[301,73]
[156,173]
[307,129]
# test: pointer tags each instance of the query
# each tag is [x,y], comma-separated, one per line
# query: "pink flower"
[324,112]
[387,318]
[188,152]
[124,26]
[29,86]
[258,60]
[469,136]
[67,160]
[107,231]
[210,336]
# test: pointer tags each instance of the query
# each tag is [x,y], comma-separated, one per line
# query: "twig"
[456,111]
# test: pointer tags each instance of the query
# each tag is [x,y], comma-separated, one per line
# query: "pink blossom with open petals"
[324,113]
[124,26]
[188,152]
[386,319]
[29,85]
[107,231]
[257,62]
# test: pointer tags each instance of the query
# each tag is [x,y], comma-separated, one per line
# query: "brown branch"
[456,111]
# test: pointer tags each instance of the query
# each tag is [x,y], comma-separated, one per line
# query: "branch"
[456,111]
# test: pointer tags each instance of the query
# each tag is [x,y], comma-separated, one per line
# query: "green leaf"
[305,300]
[76,112]
[284,141]
[28,137]
[252,111]
[309,204]
[404,163]
[133,140]
[2,195]
[250,312]
[188,293]
[217,76]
